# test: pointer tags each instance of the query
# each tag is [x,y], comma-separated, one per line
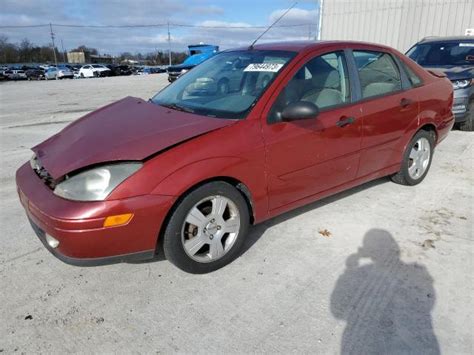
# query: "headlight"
[184,71]
[462,84]
[97,183]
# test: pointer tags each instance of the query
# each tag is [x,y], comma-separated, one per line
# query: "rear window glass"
[378,73]
[412,77]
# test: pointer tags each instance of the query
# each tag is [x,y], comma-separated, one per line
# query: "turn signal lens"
[118,220]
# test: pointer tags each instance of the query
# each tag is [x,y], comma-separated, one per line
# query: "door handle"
[405,102]
[344,121]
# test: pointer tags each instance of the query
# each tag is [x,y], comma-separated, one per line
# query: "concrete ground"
[376,268]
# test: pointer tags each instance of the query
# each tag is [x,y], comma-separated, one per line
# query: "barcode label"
[271,67]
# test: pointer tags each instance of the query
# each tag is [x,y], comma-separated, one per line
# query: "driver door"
[309,156]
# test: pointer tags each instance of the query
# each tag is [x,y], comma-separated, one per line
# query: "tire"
[468,125]
[416,160]
[204,254]
[82,75]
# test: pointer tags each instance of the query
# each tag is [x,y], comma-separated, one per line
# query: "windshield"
[443,54]
[225,86]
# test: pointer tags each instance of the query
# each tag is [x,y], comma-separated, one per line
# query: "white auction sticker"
[271,67]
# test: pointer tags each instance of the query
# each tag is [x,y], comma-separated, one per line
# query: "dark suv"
[455,57]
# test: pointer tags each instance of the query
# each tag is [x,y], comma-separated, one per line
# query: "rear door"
[309,156]
[388,107]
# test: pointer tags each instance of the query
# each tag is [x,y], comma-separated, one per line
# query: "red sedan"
[247,135]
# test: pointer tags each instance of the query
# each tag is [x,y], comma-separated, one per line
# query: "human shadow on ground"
[385,302]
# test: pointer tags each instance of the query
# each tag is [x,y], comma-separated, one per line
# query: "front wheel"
[416,159]
[207,229]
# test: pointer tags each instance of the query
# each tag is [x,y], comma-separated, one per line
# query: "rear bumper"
[78,226]
[445,127]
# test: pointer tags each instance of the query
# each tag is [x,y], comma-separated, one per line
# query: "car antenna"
[273,24]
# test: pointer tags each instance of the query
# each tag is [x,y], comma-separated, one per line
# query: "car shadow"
[257,231]
[385,302]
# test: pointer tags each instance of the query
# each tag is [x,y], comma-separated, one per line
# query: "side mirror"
[300,110]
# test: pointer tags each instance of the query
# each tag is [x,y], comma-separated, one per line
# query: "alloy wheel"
[419,158]
[210,229]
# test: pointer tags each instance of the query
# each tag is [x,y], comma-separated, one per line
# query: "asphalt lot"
[379,261]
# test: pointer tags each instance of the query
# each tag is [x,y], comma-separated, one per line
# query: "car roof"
[300,46]
[446,39]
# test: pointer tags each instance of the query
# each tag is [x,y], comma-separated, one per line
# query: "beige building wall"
[76,57]
[397,23]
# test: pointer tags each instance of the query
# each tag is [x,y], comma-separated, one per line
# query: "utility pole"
[309,31]
[64,52]
[54,47]
[169,44]
[320,22]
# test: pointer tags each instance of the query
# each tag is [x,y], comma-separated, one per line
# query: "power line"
[152,25]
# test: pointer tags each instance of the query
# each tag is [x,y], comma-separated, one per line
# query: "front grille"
[42,173]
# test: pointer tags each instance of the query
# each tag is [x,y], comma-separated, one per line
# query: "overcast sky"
[242,13]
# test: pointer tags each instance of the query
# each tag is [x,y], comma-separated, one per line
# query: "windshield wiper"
[177,107]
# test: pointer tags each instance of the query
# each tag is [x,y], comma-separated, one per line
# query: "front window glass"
[323,81]
[224,86]
[443,54]
[378,73]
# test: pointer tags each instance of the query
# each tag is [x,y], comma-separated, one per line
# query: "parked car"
[62,72]
[116,70]
[93,71]
[454,56]
[149,70]
[223,80]
[35,74]
[15,74]
[193,172]
[197,54]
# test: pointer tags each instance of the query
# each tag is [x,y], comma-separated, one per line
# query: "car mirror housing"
[300,110]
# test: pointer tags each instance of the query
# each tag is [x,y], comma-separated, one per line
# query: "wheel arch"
[430,128]
[239,185]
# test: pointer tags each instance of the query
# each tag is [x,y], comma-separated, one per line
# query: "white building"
[397,23]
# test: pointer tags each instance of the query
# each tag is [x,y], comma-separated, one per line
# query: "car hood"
[455,72]
[179,67]
[129,129]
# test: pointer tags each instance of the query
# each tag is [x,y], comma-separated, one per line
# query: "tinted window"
[443,53]
[323,81]
[378,73]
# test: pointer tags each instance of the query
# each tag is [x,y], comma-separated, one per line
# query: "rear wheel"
[416,159]
[207,229]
